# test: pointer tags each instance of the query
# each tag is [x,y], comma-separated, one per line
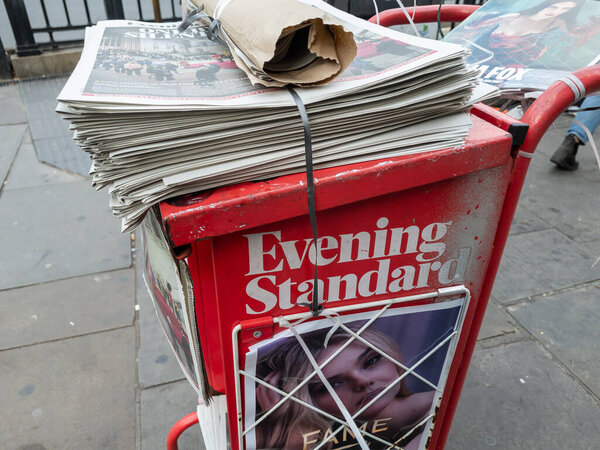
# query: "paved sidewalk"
[84,365]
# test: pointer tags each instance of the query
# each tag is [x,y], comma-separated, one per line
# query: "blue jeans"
[591,119]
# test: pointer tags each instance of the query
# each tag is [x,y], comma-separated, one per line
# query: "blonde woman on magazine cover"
[358,374]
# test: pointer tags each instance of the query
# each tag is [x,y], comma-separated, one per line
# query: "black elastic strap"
[190,18]
[310,193]
[439,31]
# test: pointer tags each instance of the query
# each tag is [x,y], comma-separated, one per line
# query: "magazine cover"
[529,44]
[389,379]
[167,292]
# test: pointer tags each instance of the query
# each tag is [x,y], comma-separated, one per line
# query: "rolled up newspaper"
[299,44]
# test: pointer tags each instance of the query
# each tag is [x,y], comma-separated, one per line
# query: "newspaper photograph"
[529,44]
[158,61]
[390,380]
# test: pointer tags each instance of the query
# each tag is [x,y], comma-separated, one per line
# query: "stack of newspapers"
[163,113]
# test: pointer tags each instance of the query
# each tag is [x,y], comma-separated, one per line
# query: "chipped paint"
[346,173]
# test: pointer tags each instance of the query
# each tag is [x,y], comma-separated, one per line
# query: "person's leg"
[591,119]
[564,156]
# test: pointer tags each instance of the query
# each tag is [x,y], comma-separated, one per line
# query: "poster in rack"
[389,379]
[168,293]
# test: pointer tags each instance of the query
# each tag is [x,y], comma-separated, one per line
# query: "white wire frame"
[383,305]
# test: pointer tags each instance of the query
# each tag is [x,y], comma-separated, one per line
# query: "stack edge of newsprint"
[164,113]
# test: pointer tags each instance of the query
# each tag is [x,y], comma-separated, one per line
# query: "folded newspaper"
[298,43]
[163,113]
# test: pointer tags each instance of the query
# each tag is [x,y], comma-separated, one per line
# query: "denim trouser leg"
[591,119]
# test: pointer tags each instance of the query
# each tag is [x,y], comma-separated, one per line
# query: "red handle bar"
[425,14]
[553,102]
[182,424]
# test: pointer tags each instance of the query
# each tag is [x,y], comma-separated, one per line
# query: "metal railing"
[5,67]
[57,18]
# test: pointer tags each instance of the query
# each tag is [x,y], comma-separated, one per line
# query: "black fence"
[58,20]
[5,68]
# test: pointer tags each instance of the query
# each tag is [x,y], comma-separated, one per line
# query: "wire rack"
[335,320]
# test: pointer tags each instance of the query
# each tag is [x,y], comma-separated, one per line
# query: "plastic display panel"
[363,376]
[163,276]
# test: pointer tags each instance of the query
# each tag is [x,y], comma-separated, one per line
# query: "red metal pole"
[539,117]
[425,14]
[180,426]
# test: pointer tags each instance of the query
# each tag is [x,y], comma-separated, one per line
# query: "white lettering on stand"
[268,255]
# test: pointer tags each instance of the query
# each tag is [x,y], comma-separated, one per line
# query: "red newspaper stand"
[408,245]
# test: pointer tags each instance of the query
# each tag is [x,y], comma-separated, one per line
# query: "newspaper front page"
[137,63]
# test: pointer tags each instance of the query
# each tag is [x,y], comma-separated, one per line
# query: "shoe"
[564,156]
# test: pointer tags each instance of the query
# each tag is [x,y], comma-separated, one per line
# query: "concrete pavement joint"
[17,81]
[47,341]
[552,357]
[536,297]
[74,277]
[560,364]
[10,166]
[136,320]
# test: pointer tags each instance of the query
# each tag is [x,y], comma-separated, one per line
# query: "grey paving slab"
[27,171]
[39,97]
[526,221]
[161,407]
[11,137]
[51,134]
[516,397]
[75,393]
[13,109]
[27,139]
[568,201]
[45,126]
[568,325]
[156,360]
[593,247]
[58,231]
[496,322]
[542,261]
[62,152]
[67,308]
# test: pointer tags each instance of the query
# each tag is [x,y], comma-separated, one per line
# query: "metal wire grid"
[332,314]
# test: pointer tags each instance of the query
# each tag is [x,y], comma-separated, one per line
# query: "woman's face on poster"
[358,374]
[555,10]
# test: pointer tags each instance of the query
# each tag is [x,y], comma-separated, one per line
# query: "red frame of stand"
[217,210]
